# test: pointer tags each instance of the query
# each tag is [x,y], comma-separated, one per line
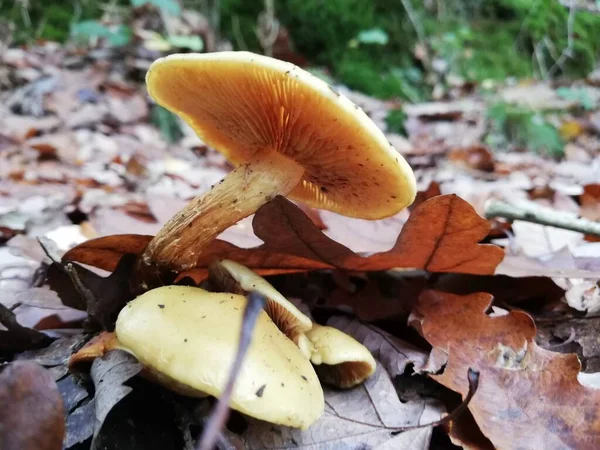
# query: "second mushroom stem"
[182,239]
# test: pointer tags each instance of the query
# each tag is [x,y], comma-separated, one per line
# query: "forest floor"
[85,154]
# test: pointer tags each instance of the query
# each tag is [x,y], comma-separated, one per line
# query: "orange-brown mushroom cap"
[244,104]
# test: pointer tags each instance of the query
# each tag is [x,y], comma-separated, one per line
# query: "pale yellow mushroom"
[186,339]
[339,359]
[229,276]
[287,132]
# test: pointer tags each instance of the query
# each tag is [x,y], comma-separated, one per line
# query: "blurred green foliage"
[395,121]
[385,48]
[370,45]
[522,128]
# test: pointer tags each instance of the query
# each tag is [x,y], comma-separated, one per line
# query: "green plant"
[116,36]
[395,121]
[579,95]
[545,27]
[516,126]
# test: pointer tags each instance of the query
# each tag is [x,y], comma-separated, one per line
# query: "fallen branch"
[530,212]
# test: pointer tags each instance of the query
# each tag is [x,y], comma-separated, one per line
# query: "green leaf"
[543,137]
[194,43]
[116,36]
[578,95]
[89,28]
[120,36]
[373,36]
[171,7]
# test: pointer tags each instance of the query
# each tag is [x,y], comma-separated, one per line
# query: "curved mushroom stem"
[235,197]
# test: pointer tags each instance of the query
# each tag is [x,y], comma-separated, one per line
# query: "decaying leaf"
[55,356]
[31,416]
[101,297]
[109,373]
[148,418]
[16,337]
[381,297]
[574,335]
[528,397]
[364,417]
[106,252]
[441,235]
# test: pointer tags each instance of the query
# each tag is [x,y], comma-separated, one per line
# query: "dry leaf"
[109,373]
[528,397]
[441,235]
[32,416]
[354,419]
[475,157]
[590,202]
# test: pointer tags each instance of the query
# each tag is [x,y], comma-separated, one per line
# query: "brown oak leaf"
[528,397]
[441,235]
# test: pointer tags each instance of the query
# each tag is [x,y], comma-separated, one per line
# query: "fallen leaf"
[476,157]
[16,337]
[433,190]
[106,252]
[590,202]
[573,335]
[31,416]
[80,424]
[101,297]
[109,373]
[148,418]
[363,417]
[373,301]
[441,235]
[55,356]
[72,393]
[528,397]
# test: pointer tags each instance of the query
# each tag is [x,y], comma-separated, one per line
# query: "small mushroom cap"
[191,336]
[242,103]
[236,278]
[340,360]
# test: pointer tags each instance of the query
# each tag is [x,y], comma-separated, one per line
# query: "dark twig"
[218,417]
[70,270]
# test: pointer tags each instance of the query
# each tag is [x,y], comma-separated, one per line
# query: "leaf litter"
[82,163]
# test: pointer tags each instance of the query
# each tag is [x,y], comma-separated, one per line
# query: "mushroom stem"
[235,197]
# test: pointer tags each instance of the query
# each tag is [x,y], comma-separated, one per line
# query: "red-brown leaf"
[528,397]
[106,252]
[441,235]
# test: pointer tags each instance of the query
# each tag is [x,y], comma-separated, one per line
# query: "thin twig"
[531,212]
[218,417]
[581,6]
[568,51]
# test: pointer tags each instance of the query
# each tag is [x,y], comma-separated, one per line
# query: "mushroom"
[339,359]
[228,276]
[186,339]
[286,131]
